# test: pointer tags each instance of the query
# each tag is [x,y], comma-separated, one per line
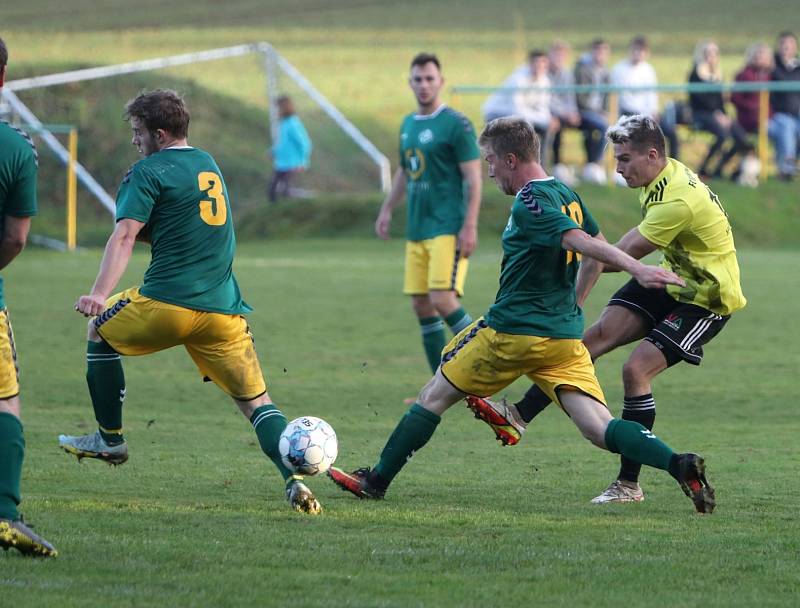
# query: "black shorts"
[678,330]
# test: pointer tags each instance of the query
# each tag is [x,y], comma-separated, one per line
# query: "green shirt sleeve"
[542,223]
[663,222]
[137,195]
[464,140]
[21,198]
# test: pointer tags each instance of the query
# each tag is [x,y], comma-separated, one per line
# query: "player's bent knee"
[10,406]
[91,332]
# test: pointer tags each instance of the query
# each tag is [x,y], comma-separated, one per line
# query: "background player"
[685,221]
[534,327]
[18,169]
[176,197]
[439,170]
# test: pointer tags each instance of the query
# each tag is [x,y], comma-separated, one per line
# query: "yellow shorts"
[480,361]
[220,345]
[434,265]
[9,372]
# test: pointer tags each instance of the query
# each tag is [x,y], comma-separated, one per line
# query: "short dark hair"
[511,136]
[3,54]
[535,54]
[160,109]
[640,131]
[598,42]
[787,34]
[421,59]
[640,41]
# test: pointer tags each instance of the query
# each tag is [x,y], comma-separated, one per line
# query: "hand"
[91,305]
[722,120]
[655,277]
[382,224]
[467,240]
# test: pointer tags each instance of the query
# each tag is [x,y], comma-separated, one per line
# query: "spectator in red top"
[758,67]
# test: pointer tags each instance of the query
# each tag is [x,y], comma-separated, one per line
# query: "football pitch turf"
[197,517]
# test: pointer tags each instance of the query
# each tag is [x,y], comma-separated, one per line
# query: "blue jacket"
[293,148]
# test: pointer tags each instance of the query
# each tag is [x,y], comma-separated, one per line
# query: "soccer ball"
[308,445]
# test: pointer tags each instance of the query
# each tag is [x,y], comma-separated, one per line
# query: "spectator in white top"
[517,99]
[636,71]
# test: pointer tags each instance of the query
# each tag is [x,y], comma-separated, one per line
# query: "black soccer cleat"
[691,476]
[356,483]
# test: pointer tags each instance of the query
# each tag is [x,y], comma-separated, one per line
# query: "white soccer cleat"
[93,446]
[619,492]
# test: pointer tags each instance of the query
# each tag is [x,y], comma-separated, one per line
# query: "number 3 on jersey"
[213,212]
[574,211]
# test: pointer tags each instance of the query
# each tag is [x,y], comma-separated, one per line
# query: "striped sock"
[641,409]
[433,340]
[458,320]
[106,381]
[268,423]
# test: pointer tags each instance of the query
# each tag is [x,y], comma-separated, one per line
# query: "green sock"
[268,423]
[106,382]
[433,340]
[12,451]
[634,441]
[458,320]
[412,432]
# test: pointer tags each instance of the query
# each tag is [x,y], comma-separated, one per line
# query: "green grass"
[197,516]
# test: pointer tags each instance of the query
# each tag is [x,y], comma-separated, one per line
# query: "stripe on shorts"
[454,272]
[11,343]
[698,330]
[465,340]
[110,312]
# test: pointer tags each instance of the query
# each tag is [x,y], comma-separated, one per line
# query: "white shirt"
[533,106]
[636,102]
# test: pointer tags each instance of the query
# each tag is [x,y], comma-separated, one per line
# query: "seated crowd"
[528,92]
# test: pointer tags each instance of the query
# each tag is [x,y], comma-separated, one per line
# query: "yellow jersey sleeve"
[665,221]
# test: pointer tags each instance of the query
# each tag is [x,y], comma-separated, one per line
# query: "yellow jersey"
[686,221]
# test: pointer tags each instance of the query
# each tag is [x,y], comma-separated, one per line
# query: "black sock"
[641,409]
[533,402]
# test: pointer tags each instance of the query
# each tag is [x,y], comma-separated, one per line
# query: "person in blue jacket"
[291,152]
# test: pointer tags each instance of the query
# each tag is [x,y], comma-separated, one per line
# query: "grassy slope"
[355,52]
[197,517]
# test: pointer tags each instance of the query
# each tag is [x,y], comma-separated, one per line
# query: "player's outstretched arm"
[468,235]
[392,200]
[588,273]
[652,277]
[115,261]
[15,234]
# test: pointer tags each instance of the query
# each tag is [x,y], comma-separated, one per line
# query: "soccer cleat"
[619,492]
[94,446]
[503,418]
[301,498]
[14,533]
[356,483]
[692,478]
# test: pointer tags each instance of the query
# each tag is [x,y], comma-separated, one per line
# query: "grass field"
[197,516]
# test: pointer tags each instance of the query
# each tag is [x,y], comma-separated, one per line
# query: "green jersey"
[19,164]
[537,277]
[180,195]
[431,148]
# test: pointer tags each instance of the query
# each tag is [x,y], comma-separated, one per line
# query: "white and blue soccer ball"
[308,445]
